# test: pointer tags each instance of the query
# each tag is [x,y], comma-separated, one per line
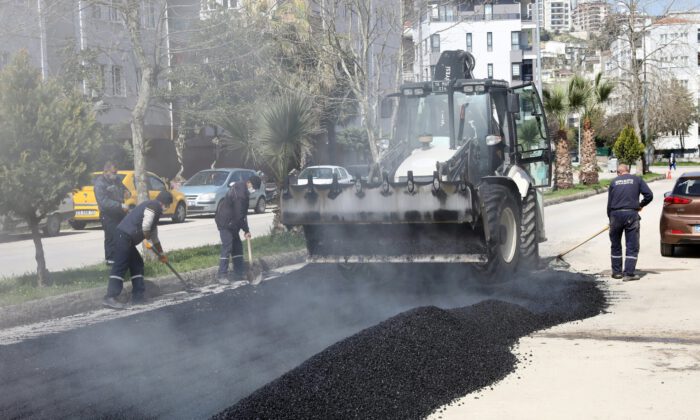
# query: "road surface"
[76,248]
[639,361]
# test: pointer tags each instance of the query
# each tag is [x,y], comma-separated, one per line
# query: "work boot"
[617,275]
[138,300]
[223,280]
[632,277]
[111,302]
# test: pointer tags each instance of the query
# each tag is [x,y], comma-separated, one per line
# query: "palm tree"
[236,137]
[285,133]
[556,106]
[589,97]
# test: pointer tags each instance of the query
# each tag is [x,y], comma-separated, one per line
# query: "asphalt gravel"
[395,342]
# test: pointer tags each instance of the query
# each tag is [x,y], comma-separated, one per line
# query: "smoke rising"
[195,359]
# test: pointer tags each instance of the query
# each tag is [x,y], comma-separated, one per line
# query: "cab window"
[155,184]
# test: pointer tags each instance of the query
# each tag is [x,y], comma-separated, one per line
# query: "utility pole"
[538,67]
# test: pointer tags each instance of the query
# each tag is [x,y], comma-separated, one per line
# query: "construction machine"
[458,183]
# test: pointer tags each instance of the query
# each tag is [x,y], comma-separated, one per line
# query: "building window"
[488,11]
[96,11]
[515,40]
[515,71]
[489,41]
[149,14]
[432,72]
[114,14]
[117,81]
[469,42]
[101,84]
[435,43]
[489,70]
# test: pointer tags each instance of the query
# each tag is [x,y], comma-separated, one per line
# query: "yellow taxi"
[85,204]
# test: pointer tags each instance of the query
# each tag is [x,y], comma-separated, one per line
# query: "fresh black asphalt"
[395,342]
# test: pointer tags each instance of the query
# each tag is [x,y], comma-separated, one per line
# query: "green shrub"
[627,147]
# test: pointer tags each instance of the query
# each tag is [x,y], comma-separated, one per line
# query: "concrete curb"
[91,299]
[585,194]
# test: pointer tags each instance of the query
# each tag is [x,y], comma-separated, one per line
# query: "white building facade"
[500,36]
[672,47]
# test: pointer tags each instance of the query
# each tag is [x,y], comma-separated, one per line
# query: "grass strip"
[603,184]
[14,290]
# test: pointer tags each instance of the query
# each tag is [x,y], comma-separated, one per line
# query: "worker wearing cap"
[139,225]
[110,194]
[623,212]
[232,217]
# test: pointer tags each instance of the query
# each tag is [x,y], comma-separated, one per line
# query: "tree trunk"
[42,274]
[180,149]
[565,176]
[589,161]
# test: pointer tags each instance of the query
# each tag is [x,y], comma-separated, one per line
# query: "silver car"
[205,189]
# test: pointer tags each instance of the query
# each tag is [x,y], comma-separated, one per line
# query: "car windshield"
[321,173]
[687,186]
[207,178]
[120,176]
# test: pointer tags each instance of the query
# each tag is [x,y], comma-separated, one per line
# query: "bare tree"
[362,37]
[636,60]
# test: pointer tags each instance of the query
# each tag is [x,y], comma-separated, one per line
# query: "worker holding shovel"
[139,225]
[232,217]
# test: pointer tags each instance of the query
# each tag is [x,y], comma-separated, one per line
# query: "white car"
[324,175]
[50,225]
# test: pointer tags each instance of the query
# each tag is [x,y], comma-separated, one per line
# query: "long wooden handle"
[578,245]
[250,251]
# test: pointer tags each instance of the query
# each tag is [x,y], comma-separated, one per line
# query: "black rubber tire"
[180,213]
[53,225]
[667,250]
[261,205]
[501,218]
[77,224]
[529,246]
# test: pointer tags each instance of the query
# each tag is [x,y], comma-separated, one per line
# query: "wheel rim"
[180,212]
[53,225]
[261,205]
[509,242]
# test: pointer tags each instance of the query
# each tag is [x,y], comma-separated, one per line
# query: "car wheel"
[77,224]
[180,213]
[260,207]
[53,225]
[667,250]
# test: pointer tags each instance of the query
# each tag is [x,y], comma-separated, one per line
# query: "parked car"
[680,217]
[359,171]
[85,203]
[324,175]
[205,189]
[49,225]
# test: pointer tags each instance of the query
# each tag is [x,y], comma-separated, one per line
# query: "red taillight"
[676,232]
[672,199]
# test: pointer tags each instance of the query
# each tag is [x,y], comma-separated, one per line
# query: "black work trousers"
[626,221]
[109,225]
[126,257]
[231,249]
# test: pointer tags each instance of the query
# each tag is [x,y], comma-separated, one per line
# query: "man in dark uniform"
[141,223]
[623,211]
[231,217]
[110,194]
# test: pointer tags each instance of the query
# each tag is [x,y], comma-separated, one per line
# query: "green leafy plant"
[627,147]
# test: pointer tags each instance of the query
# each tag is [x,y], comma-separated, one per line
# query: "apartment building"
[672,47]
[589,16]
[53,30]
[499,35]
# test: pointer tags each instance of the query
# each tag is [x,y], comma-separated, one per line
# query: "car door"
[155,186]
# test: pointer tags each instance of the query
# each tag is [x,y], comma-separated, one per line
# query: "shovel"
[188,288]
[558,261]
[254,274]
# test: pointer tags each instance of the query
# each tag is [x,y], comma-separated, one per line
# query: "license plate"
[85,212]
[696,229]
